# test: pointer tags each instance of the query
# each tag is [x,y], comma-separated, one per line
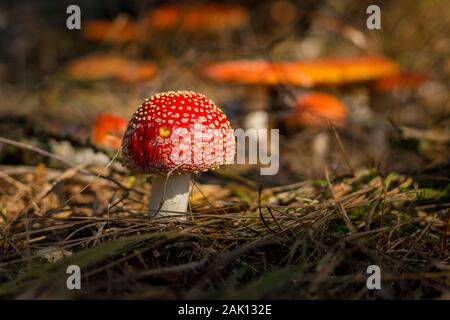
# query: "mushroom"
[172,135]
[345,70]
[206,17]
[267,75]
[118,31]
[323,71]
[99,66]
[318,109]
[107,130]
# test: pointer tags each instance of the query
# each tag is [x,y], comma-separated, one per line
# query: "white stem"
[173,194]
[257,119]
[321,145]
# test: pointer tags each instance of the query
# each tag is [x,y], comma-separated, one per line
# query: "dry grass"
[312,239]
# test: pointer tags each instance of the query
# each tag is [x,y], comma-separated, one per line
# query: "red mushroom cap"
[207,17]
[179,132]
[318,109]
[100,66]
[107,130]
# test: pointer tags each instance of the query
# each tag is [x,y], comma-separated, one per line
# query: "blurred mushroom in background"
[268,78]
[179,25]
[208,17]
[104,66]
[318,109]
[107,130]
[118,31]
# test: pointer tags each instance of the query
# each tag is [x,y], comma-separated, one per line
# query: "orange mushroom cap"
[347,70]
[209,17]
[243,71]
[114,31]
[329,71]
[106,66]
[107,130]
[318,109]
[402,80]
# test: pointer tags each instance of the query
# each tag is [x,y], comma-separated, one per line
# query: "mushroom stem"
[173,192]
[256,120]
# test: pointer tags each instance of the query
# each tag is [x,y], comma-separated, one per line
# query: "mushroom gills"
[173,192]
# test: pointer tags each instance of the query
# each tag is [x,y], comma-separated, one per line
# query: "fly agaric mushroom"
[100,66]
[318,109]
[118,31]
[337,71]
[208,17]
[247,72]
[176,133]
[107,130]
[324,71]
